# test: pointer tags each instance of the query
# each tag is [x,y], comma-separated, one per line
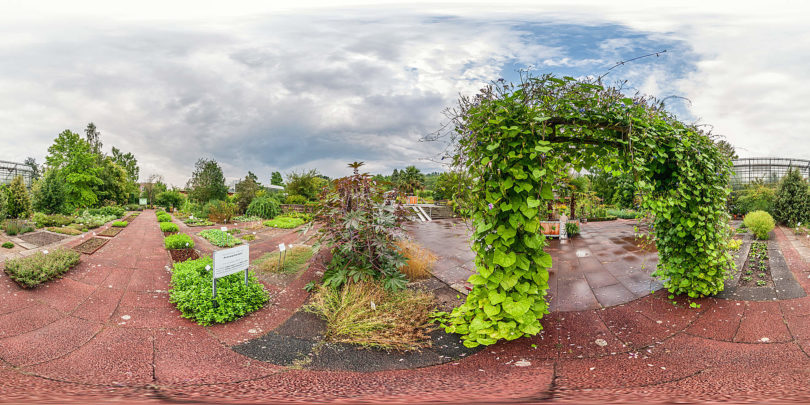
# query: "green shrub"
[17,200]
[168,227]
[133,207]
[246,218]
[264,207]
[760,223]
[40,267]
[220,238]
[295,199]
[17,226]
[8,245]
[284,222]
[178,241]
[120,224]
[197,222]
[170,199]
[164,217]
[792,205]
[306,217]
[219,211]
[43,220]
[191,292]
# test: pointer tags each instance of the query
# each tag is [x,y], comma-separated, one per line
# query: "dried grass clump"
[420,260]
[366,314]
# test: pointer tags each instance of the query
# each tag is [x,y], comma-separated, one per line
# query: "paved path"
[602,267]
[107,333]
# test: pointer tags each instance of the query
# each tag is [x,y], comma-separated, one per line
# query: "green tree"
[72,156]
[115,186]
[93,138]
[276,180]
[18,202]
[246,191]
[154,185]
[792,204]
[170,199]
[410,180]
[128,162]
[50,194]
[207,182]
[307,184]
[35,169]
[727,149]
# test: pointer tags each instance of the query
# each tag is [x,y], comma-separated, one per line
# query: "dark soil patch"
[298,342]
[757,270]
[91,245]
[181,255]
[766,265]
[111,231]
[130,218]
[165,234]
[42,238]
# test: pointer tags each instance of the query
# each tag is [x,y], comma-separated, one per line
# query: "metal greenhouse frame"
[768,169]
[10,170]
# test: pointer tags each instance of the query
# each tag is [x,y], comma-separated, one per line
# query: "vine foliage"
[518,139]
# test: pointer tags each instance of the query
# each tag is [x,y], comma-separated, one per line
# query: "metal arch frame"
[768,169]
[10,170]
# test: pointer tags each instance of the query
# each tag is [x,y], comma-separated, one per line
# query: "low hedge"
[760,223]
[178,241]
[168,227]
[164,217]
[120,224]
[40,267]
[191,290]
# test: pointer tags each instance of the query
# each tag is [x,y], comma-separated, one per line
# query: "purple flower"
[491,206]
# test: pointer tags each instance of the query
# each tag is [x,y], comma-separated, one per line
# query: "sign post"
[282,250]
[230,261]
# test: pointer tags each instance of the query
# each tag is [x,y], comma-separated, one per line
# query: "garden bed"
[41,238]
[757,269]
[91,245]
[181,255]
[110,232]
[165,234]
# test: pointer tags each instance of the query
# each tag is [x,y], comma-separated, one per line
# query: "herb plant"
[220,238]
[178,241]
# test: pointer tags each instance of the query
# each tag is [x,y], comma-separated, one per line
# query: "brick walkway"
[107,333]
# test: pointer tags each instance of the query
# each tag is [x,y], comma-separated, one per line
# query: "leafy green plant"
[248,237]
[760,223]
[220,238]
[120,224]
[64,230]
[264,207]
[366,314]
[18,201]
[197,222]
[170,199]
[295,259]
[246,218]
[164,217]
[519,139]
[178,241]
[622,213]
[40,267]
[572,228]
[359,227]
[168,227]
[284,222]
[8,245]
[191,291]
[734,244]
[94,220]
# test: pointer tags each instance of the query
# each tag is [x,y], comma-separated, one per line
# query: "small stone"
[659,322]
[126,317]
[592,368]
[765,340]
[523,363]
[600,342]
[253,331]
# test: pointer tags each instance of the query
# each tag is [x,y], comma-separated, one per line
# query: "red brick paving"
[106,332]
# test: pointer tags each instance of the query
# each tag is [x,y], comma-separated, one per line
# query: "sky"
[262,86]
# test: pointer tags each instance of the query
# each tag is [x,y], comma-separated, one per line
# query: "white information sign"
[282,247]
[142,201]
[229,261]
[224,229]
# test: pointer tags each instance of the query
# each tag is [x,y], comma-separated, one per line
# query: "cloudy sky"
[266,87]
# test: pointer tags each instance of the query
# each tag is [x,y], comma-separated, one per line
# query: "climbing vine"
[517,139]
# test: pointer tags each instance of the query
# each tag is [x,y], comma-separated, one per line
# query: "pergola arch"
[517,139]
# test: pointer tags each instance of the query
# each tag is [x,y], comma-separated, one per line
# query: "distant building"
[10,170]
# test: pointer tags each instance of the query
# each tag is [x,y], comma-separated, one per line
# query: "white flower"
[373,306]
[45,252]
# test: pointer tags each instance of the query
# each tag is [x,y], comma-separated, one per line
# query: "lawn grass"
[297,258]
[365,314]
[284,222]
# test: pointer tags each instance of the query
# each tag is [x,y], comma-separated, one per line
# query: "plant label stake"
[282,249]
[230,261]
